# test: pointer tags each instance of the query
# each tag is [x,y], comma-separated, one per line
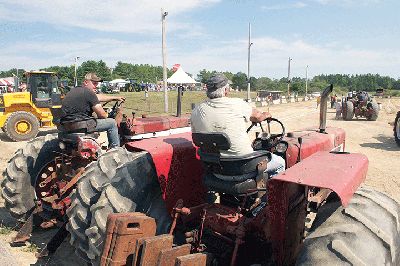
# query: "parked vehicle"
[23,113]
[360,104]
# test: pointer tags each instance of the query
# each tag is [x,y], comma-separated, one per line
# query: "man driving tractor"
[220,114]
[78,107]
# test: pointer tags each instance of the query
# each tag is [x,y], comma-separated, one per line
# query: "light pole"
[75,67]
[288,77]
[248,65]
[306,79]
[164,59]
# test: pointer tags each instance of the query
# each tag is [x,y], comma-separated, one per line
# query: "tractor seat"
[233,174]
[73,137]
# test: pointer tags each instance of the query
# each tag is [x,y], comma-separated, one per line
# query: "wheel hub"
[23,127]
[398,129]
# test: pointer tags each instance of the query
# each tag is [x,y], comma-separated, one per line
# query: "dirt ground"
[372,138]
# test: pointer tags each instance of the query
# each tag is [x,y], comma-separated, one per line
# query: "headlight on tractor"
[281,147]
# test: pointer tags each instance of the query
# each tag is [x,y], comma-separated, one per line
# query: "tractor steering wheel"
[113,111]
[265,140]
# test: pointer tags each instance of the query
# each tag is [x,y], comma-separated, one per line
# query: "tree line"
[145,73]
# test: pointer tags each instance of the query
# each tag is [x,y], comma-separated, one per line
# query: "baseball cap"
[93,77]
[216,81]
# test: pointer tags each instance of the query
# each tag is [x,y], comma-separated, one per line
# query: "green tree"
[239,81]
[204,75]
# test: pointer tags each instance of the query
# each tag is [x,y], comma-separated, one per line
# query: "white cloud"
[295,5]
[268,55]
[111,15]
[349,3]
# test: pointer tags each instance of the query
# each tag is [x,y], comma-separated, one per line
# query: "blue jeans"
[276,165]
[109,125]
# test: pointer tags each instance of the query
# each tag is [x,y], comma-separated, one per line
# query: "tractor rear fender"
[340,172]
[178,169]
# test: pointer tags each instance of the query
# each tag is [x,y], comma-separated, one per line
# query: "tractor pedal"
[49,224]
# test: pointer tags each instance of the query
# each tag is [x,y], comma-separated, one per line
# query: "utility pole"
[306,79]
[111,70]
[16,82]
[248,66]
[75,68]
[164,59]
[288,78]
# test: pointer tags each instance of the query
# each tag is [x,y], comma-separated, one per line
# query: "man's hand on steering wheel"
[265,140]
[113,111]
[120,99]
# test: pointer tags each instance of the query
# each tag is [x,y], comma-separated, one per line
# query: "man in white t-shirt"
[230,116]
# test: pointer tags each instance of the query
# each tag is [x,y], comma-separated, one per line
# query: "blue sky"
[331,36]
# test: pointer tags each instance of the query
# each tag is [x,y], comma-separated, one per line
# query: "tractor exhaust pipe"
[179,102]
[324,108]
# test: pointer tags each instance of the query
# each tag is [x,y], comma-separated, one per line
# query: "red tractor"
[40,177]
[360,104]
[173,200]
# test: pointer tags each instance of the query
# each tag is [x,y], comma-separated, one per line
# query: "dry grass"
[31,247]
[154,104]
[5,230]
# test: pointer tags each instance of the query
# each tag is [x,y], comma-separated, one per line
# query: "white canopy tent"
[181,77]
[115,81]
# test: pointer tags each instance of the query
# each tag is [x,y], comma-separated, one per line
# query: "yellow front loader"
[23,113]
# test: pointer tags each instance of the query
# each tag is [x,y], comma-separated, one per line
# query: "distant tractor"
[132,86]
[360,105]
[23,113]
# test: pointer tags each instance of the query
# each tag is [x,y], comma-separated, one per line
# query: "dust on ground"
[372,138]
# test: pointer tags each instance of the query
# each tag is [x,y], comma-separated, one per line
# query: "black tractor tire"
[18,186]
[396,129]
[134,188]
[97,174]
[375,111]
[348,110]
[366,232]
[17,117]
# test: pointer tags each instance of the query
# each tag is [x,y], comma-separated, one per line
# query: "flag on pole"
[175,67]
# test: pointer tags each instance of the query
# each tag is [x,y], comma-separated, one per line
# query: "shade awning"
[181,77]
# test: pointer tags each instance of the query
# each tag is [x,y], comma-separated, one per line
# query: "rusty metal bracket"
[24,233]
[69,185]
[175,213]
[319,198]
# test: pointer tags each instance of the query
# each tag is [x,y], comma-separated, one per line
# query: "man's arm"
[98,109]
[258,116]
[106,98]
